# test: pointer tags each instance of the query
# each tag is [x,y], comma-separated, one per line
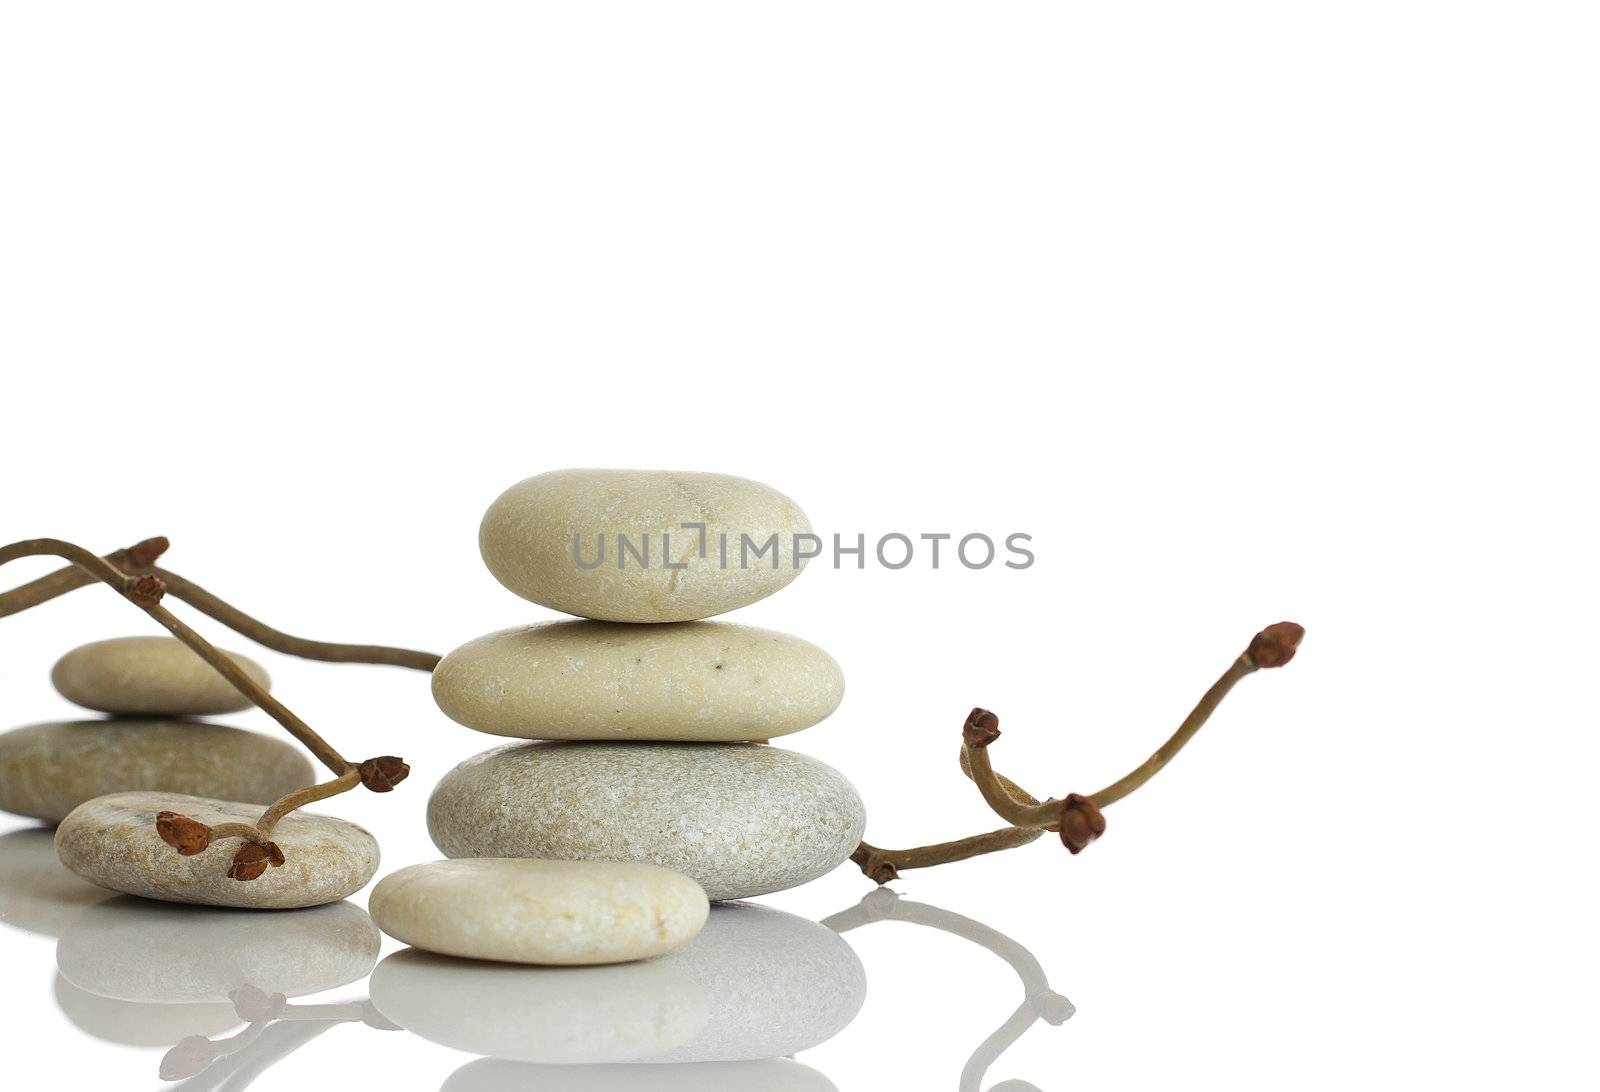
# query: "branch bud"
[187,836]
[251,860]
[146,591]
[383,773]
[981,728]
[1275,645]
[1081,823]
[142,555]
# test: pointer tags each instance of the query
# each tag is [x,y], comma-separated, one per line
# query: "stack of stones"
[153,688]
[651,723]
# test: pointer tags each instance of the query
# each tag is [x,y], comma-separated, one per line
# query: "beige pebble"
[46,770]
[563,913]
[741,819]
[526,539]
[112,841]
[756,983]
[687,681]
[149,676]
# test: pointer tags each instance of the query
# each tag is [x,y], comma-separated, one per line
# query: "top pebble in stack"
[653,721]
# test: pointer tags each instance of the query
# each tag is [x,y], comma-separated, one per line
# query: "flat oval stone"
[528,539]
[690,681]
[741,819]
[547,912]
[159,953]
[149,676]
[112,841]
[756,983]
[46,770]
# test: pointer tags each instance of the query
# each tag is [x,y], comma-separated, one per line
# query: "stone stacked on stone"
[153,688]
[647,724]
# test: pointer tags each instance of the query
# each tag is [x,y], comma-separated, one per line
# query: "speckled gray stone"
[756,983]
[159,953]
[149,676]
[527,541]
[767,1075]
[46,770]
[689,681]
[567,913]
[112,841]
[741,819]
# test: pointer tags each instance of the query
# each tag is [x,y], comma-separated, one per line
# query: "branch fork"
[1077,818]
[133,573]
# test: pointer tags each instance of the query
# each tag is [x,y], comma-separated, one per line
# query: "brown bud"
[187,836]
[383,773]
[981,729]
[274,854]
[141,555]
[146,590]
[883,872]
[1275,645]
[249,862]
[1081,823]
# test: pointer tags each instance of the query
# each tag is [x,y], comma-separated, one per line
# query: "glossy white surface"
[1242,310]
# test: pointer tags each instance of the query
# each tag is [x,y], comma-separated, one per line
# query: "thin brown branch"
[146,590]
[1076,818]
[885,865]
[140,560]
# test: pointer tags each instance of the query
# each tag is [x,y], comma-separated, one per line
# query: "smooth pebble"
[756,983]
[546,912]
[150,676]
[112,841]
[46,770]
[527,540]
[741,819]
[686,681]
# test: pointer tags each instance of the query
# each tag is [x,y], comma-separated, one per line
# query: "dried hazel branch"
[189,836]
[140,560]
[1076,818]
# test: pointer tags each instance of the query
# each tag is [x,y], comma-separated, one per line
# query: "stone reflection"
[768,1075]
[132,949]
[1039,1001]
[38,894]
[147,973]
[756,984]
[274,1030]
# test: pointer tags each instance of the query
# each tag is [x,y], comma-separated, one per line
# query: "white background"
[1244,311]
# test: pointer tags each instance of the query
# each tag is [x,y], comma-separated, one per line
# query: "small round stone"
[756,983]
[590,543]
[687,681]
[46,770]
[741,819]
[150,676]
[161,954]
[574,913]
[112,841]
